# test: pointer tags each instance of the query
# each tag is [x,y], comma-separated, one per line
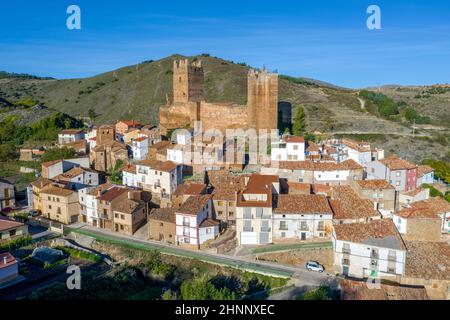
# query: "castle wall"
[221,116]
[261,111]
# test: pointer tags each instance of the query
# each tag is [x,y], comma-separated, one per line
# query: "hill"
[137,92]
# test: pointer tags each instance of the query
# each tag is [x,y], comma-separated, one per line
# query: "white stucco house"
[374,249]
[290,148]
[194,225]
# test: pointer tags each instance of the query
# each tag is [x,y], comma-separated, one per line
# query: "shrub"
[16,243]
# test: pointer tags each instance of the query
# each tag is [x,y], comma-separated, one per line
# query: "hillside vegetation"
[137,92]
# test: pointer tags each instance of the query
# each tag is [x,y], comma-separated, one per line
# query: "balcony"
[186,224]
[265,229]
[346,250]
[248,216]
[248,229]
[345,262]
[283,228]
[320,228]
[304,228]
[374,255]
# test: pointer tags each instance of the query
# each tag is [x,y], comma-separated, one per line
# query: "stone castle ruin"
[189,105]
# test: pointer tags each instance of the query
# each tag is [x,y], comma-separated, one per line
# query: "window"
[283,234]
[116,215]
[161,224]
[219,213]
[283,225]
[122,216]
[49,206]
[121,227]
[295,147]
[12,233]
[230,214]
[208,230]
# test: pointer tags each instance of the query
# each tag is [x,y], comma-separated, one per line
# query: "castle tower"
[262,100]
[187,81]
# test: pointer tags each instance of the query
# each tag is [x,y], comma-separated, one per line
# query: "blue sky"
[321,39]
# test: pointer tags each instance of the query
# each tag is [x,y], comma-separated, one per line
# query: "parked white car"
[314,266]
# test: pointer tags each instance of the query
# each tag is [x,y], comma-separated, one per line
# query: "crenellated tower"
[187,81]
[262,101]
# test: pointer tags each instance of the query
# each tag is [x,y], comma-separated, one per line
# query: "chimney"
[5,259]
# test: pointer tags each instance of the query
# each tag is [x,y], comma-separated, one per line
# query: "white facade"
[129,179]
[332,176]
[254,225]
[91,208]
[67,137]
[156,181]
[188,226]
[426,178]
[139,148]
[288,151]
[361,157]
[364,260]
[300,226]
[176,155]
[208,233]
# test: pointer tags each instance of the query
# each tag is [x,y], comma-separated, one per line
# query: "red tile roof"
[395,163]
[194,204]
[346,204]
[301,204]
[10,260]
[209,223]
[112,193]
[381,233]
[7,224]
[295,139]
[374,184]
[429,208]
[165,166]
[422,170]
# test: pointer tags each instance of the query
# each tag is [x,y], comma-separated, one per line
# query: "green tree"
[298,128]
[115,175]
[202,289]
[91,114]
[169,295]
[58,153]
[321,293]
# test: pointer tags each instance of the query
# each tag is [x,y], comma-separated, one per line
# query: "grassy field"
[292,246]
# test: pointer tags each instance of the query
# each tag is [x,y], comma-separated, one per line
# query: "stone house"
[123,126]
[161,224]
[348,207]
[380,192]
[60,204]
[131,213]
[427,264]
[10,229]
[7,195]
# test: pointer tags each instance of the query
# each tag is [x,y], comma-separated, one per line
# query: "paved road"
[300,276]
